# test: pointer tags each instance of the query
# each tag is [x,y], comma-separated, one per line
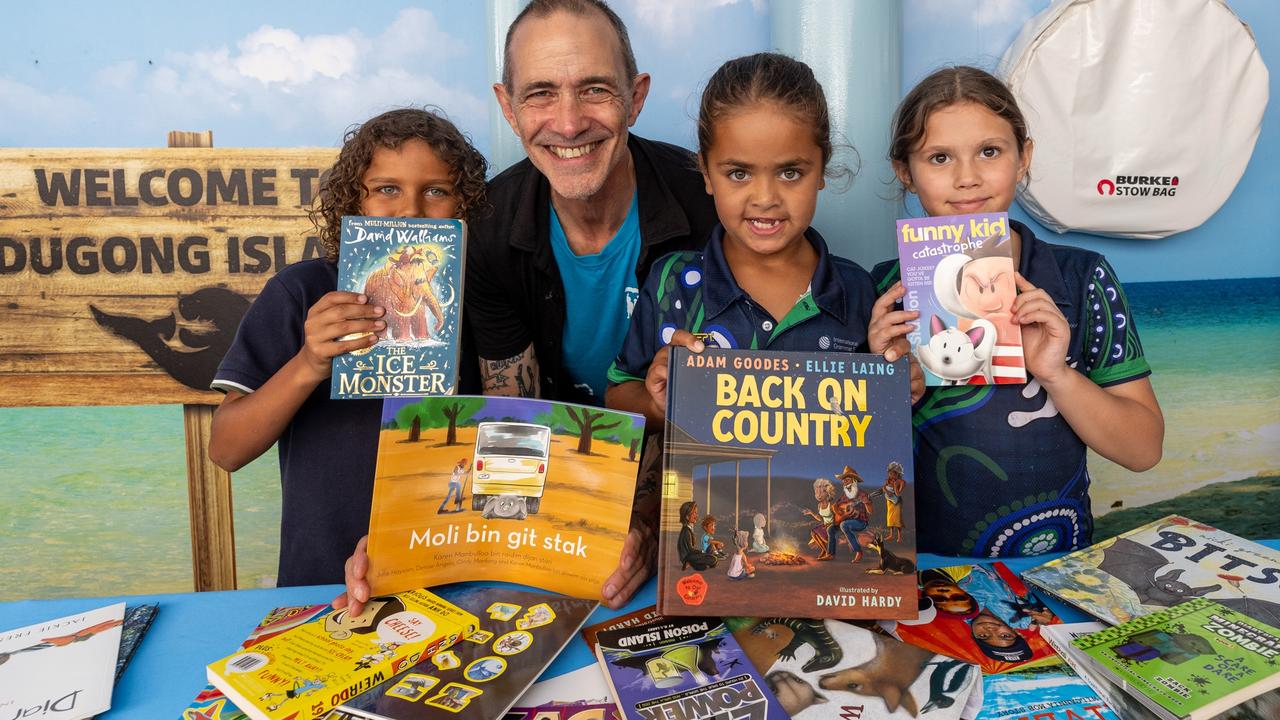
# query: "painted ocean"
[93,500]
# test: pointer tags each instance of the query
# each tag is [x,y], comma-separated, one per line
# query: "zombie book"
[983,614]
[210,703]
[500,488]
[1191,661]
[787,486]
[958,272]
[819,669]
[413,269]
[480,678]
[1161,564]
[307,670]
[1127,707]
[683,668]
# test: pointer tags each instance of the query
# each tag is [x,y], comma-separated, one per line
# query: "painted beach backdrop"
[86,509]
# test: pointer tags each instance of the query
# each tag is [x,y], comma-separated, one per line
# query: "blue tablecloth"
[194,629]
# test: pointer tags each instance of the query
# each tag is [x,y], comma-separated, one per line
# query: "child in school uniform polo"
[696,291]
[998,470]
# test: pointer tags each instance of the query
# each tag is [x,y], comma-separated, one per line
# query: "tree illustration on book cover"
[787,487]
[496,488]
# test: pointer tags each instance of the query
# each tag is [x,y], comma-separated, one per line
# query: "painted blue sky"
[85,74]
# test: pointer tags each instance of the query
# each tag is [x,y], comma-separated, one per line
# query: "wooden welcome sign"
[125,272]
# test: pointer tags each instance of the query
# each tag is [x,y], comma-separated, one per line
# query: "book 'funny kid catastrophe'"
[413,268]
[958,273]
[787,486]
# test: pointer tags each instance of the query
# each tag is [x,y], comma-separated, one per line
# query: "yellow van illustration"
[510,468]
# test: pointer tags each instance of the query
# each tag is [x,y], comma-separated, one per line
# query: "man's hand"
[355,570]
[639,556]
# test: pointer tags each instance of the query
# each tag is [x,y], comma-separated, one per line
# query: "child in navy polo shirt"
[403,163]
[1000,469]
[765,279]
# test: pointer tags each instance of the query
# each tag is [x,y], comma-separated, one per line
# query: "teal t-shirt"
[600,292]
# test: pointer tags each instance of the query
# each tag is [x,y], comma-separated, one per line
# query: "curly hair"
[341,189]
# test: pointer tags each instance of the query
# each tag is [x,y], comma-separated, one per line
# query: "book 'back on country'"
[787,486]
[958,273]
[413,268]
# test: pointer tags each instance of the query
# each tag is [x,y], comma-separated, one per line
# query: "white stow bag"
[1144,112]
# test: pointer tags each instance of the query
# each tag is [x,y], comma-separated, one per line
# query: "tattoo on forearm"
[517,375]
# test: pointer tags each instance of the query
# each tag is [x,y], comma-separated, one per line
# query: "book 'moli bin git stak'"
[412,267]
[958,273]
[305,671]
[787,486]
[501,488]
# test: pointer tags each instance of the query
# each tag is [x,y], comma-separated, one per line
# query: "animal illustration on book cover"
[413,268]
[831,668]
[683,667]
[1054,693]
[210,703]
[983,615]
[1164,563]
[787,486]
[958,273]
[498,488]
[521,632]
[1191,660]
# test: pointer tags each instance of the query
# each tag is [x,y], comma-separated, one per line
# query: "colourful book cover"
[210,703]
[480,678]
[137,621]
[583,711]
[1060,637]
[821,669]
[1161,564]
[501,488]
[1193,660]
[958,273]
[980,614]
[643,616]
[63,667]
[1043,694]
[412,267]
[306,671]
[683,668]
[787,486]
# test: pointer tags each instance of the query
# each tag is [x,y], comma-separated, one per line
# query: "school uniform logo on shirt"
[827,342]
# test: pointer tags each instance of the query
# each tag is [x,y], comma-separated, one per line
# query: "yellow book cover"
[501,488]
[303,673]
